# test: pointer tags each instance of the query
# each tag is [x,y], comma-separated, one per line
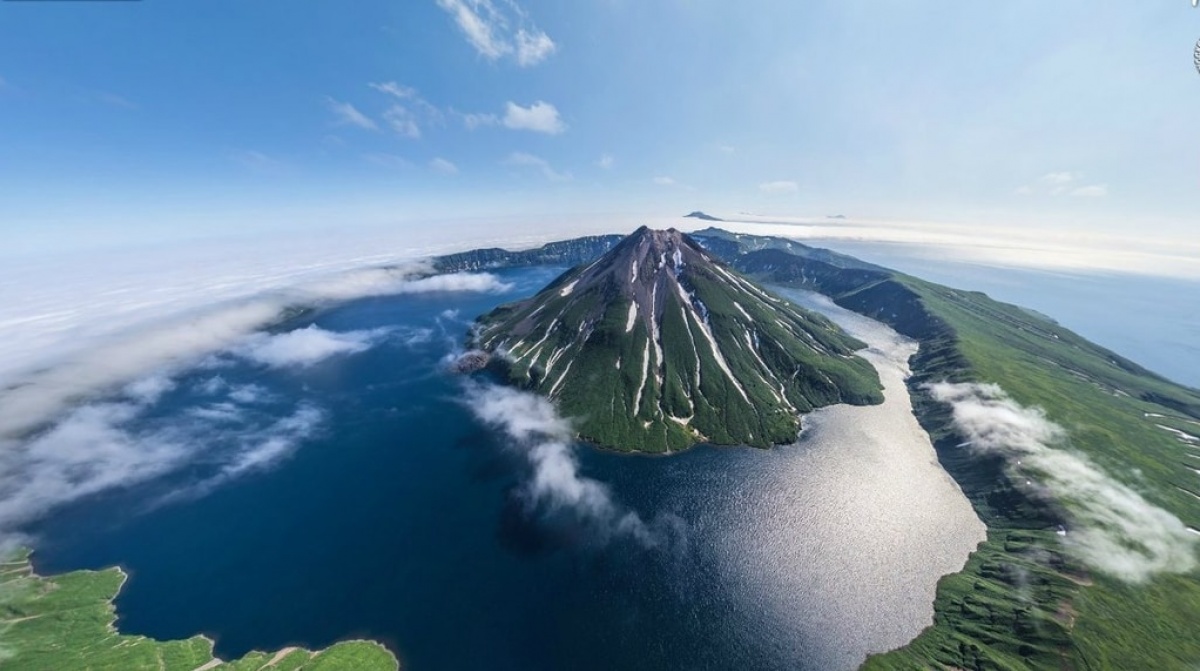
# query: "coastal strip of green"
[66,623]
[1080,619]
[1023,601]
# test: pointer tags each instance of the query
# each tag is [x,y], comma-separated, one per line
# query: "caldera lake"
[358,496]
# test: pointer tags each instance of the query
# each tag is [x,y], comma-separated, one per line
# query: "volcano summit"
[656,346]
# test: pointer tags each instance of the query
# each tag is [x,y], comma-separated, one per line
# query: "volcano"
[656,346]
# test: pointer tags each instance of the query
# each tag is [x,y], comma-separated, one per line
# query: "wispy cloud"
[478,120]
[110,99]
[346,114]
[606,161]
[540,117]
[500,29]
[395,90]
[1116,530]
[555,486]
[523,160]
[781,187]
[402,120]
[533,47]
[101,446]
[409,111]
[257,161]
[443,166]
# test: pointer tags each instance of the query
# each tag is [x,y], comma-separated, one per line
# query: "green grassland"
[65,623]
[1022,602]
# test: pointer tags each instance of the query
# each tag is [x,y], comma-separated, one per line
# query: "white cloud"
[278,441]
[779,187]
[479,30]
[726,148]
[403,121]
[522,159]
[1116,530]
[248,394]
[533,47]
[606,161]
[306,346]
[555,487]
[443,166]
[1091,191]
[473,121]
[348,115]
[663,180]
[473,282]
[395,90]
[498,31]
[103,446]
[540,117]
[149,389]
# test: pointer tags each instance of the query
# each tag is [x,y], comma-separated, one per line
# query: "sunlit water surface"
[399,521]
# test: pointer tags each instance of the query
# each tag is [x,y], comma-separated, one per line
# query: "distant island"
[702,216]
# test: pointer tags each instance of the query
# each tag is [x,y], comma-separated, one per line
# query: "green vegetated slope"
[65,623]
[656,346]
[562,253]
[1022,601]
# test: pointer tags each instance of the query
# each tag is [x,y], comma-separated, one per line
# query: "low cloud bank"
[1117,531]
[477,282]
[545,441]
[306,346]
[110,445]
[115,347]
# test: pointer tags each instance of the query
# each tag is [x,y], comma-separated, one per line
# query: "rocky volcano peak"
[656,345]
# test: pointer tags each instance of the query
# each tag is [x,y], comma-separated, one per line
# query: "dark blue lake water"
[400,519]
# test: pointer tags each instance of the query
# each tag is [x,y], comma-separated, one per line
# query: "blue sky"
[162,120]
